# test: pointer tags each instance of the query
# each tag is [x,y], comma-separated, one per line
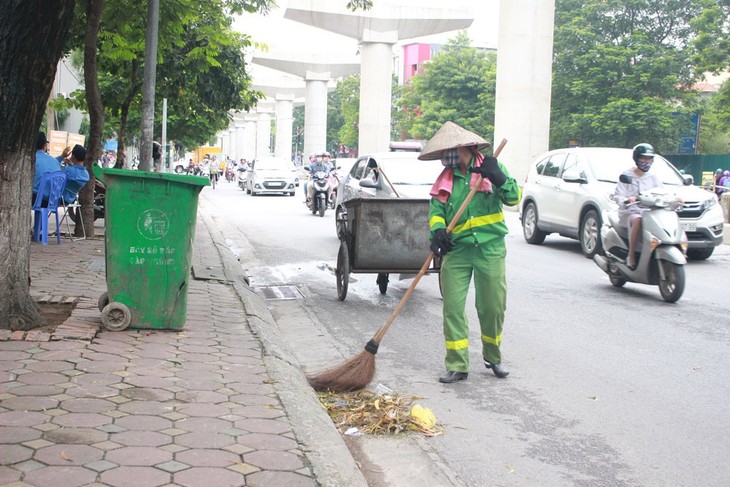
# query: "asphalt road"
[608,386]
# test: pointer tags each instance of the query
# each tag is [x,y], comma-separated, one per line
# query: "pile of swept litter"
[378,414]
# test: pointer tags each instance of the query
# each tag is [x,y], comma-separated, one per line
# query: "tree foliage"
[622,71]
[458,84]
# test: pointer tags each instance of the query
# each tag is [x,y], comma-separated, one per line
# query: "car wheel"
[179,170]
[700,254]
[532,234]
[590,234]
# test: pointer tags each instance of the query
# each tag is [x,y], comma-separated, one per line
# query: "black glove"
[490,170]
[441,242]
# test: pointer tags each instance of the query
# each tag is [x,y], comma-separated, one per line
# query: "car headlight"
[709,203]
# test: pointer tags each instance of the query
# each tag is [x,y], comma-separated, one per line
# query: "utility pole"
[163,139]
[148,87]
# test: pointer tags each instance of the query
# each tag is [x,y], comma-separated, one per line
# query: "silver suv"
[567,191]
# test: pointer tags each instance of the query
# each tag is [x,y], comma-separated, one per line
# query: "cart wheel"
[116,316]
[343,271]
[103,301]
[382,281]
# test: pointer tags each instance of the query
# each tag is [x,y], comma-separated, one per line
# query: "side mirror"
[688,179]
[625,178]
[369,183]
[574,176]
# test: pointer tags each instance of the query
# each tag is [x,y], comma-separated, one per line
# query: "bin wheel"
[343,271]
[103,301]
[116,316]
[382,281]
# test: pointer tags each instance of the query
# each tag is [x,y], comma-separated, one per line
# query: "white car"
[271,175]
[567,192]
[385,175]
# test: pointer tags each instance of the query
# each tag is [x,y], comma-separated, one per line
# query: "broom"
[358,371]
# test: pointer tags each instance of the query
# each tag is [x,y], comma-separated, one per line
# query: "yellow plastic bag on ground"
[424,417]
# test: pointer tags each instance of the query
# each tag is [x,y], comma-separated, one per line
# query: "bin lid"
[105,173]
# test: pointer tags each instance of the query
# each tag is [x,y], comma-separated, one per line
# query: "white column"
[284,119]
[524,81]
[250,131]
[225,143]
[263,134]
[240,140]
[376,71]
[315,113]
[231,142]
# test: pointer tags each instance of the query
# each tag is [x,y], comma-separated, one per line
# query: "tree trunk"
[32,36]
[94,9]
[134,88]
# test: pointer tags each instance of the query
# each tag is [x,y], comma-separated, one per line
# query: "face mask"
[450,158]
[644,166]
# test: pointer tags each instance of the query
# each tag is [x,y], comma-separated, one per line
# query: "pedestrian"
[76,174]
[724,184]
[476,246]
[44,163]
[718,182]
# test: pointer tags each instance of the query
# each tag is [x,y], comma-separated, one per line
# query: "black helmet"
[643,150]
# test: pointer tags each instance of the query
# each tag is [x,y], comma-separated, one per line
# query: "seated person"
[629,212]
[44,163]
[76,174]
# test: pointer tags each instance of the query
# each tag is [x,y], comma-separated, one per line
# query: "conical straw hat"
[450,136]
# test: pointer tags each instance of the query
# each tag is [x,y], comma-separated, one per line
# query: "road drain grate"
[279,292]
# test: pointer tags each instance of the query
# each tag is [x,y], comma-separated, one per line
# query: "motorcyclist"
[321,163]
[626,195]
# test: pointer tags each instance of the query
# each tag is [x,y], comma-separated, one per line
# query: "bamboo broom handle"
[383,329]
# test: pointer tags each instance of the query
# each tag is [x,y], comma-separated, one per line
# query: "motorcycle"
[661,249]
[320,191]
[241,177]
[334,180]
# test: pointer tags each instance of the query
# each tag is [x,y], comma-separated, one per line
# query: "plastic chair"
[52,183]
[76,207]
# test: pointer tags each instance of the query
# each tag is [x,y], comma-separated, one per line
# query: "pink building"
[415,56]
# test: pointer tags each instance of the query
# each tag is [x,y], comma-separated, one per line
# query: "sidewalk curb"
[331,461]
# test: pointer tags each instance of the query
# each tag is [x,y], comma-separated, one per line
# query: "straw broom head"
[352,375]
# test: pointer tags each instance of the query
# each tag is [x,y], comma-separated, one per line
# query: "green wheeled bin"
[150,227]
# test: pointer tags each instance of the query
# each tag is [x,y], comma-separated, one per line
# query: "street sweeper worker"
[475,246]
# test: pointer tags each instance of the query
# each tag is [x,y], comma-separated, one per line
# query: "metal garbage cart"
[150,228]
[383,235]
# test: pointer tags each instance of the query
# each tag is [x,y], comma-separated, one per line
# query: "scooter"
[661,249]
[321,189]
[334,180]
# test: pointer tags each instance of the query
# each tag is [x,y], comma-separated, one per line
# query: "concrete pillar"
[376,73]
[240,140]
[315,112]
[284,120]
[231,142]
[524,81]
[250,133]
[263,134]
[225,142]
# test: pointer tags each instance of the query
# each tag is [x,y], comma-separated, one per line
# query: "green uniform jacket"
[483,220]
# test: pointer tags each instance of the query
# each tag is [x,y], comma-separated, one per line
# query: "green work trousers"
[486,264]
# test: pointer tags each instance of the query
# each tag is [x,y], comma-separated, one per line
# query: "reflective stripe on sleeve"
[435,220]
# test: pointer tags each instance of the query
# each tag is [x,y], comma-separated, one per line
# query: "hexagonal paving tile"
[204,440]
[87,405]
[139,456]
[68,455]
[273,460]
[135,477]
[207,458]
[29,403]
[10,454]
[197,476]
[72,476]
